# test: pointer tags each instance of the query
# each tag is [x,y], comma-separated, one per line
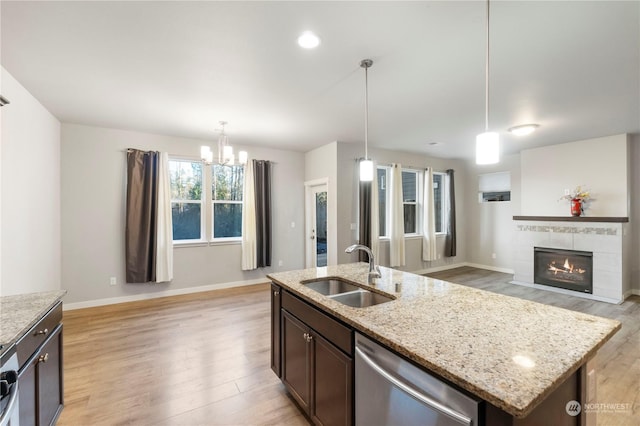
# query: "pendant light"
[366,165]
[487,143]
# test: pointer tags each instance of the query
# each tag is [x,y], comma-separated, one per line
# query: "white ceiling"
[177,68]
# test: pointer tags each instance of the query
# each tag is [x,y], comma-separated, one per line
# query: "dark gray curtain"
[262,179]
[364,219]
[450,240]
[141,214]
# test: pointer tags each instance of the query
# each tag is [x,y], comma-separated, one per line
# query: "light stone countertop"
[20,312]
[466,335]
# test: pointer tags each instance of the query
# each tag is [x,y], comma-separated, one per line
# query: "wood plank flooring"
[203,359]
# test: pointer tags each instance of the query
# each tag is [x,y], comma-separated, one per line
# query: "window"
[226,196]
[411,200]
[186,199]
[196,213]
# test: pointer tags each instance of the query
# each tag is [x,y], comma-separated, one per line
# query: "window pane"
[437,200]
[227,220]
[409,186]
[186,221]
[227,182]
[382,202]
[186,180]
[409,218]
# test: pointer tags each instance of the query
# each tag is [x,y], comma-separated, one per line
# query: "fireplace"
[568,269]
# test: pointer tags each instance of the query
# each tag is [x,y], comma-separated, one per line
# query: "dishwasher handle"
[6,415]
[461,418]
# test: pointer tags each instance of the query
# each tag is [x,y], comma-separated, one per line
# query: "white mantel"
[608,240]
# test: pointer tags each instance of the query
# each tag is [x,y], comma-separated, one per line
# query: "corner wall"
[93,219]
[30,192]
[348,206]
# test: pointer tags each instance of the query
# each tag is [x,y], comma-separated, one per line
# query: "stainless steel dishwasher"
[391,391]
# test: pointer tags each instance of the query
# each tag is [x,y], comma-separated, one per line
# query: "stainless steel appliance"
[393,391]
[9,404]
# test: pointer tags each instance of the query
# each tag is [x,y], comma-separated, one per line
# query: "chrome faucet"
[374,270]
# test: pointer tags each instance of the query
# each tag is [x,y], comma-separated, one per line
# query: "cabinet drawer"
[335,332]
[30,342]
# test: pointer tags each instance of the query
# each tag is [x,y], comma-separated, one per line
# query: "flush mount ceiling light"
[225,151]
[487,143]
[308,40]
[366,165]
[524,129]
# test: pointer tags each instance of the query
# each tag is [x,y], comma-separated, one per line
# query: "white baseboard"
[148,296]
[461,264]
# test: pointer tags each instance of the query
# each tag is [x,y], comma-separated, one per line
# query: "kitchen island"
[511,353]
[31,331]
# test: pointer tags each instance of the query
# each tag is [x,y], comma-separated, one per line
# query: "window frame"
[212,237]
[418,203]
[443,206]
[206,208]
[201,240]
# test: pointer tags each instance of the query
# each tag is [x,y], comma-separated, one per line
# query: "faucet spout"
[374,271]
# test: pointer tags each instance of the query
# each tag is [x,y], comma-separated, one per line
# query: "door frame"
[309,222]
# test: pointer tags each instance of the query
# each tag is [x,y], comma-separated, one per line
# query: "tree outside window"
[226,196]
[186,199]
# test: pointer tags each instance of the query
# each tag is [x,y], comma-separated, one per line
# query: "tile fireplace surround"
[607,238]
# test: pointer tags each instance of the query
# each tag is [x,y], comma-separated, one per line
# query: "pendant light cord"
[486,86]
[366,63]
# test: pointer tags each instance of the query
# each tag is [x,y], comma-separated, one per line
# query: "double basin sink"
[346,293]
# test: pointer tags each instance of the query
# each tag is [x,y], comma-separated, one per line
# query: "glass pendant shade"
[366,170]
[487,148]
[243,157]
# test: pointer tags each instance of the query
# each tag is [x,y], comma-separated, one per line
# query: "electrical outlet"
[280,262]
[113,281]
[493,255]
[567,191]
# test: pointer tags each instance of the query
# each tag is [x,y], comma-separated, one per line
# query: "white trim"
[567,292]
[148,296]
[316,182]
[635,291]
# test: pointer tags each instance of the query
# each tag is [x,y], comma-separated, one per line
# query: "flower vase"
[576,207]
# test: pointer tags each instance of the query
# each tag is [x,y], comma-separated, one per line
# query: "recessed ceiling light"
[524,129]
[308,40]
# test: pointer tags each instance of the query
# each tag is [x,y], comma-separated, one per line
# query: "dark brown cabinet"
[275,329]
[40,377]
[317,364]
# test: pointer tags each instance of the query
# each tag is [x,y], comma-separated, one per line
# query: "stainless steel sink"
[361,298]
[330,286]
[346,293]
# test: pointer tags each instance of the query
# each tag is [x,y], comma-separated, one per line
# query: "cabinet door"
[333,384]
[50,379]
[296,359]
[27,387]
[276,303]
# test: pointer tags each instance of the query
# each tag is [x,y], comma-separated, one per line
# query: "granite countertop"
[20,312]
[510,352]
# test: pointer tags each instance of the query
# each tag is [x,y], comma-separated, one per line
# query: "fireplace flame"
[566,268]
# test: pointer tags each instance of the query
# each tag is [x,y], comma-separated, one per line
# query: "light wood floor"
[203,359]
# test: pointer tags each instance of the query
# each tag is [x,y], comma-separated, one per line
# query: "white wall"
[93,209]
[490,225]
[599,164]
[634,217]
[321,163]
[30,193]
